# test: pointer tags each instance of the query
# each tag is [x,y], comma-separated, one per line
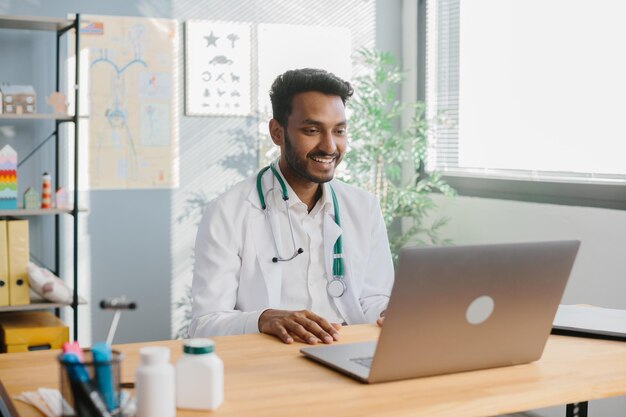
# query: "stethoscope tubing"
[337,286]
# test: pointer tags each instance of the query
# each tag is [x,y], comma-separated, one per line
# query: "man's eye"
[341,132]
[310,131]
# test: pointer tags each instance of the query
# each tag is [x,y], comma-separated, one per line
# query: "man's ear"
[276,132]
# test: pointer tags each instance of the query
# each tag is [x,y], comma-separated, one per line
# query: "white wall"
[599,274]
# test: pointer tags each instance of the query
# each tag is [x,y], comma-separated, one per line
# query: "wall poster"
[130,81]
[217,68]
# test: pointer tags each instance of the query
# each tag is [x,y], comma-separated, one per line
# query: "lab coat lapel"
[348,304]
[331,233]
[262,235]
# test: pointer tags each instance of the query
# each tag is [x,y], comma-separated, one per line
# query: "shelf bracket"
[576,409]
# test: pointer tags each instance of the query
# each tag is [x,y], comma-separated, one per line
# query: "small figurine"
[46,191]
[31,199]
[62,199]
[57,101]
[8,178]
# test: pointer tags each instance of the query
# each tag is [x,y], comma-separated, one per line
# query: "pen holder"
[91,386]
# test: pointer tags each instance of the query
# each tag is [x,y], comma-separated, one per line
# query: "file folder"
[4,265]
[18,261]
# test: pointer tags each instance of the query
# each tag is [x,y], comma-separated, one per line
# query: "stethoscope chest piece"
[336,287]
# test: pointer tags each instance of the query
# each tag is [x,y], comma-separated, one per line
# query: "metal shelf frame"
[61,27]
[38,116]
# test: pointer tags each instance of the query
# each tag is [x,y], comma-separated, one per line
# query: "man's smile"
[324,159]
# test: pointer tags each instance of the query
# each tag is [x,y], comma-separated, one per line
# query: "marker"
[101,353]
[74,348]
[87,400]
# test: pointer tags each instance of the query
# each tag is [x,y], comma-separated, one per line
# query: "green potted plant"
[390,160]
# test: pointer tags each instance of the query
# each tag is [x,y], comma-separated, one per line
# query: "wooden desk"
[267,378]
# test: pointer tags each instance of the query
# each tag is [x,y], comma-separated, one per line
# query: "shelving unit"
[38,116]
[38,305]
[37,212]
[61,27]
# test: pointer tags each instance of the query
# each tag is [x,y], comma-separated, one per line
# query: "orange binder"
[18,261]
[4,265]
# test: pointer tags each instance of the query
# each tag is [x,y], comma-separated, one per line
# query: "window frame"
[540,190]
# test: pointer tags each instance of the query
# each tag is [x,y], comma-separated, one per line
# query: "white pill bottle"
[154,384]
[199,376]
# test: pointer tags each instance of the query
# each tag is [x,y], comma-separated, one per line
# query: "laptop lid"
[462,308]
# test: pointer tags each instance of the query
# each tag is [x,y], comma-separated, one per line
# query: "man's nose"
[328,143]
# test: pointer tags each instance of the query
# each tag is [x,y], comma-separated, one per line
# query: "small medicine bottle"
[199,376]
[154,383]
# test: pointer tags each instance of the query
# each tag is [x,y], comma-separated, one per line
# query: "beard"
[300,167]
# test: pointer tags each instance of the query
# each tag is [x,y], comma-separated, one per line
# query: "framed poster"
[130,71]
[217,68]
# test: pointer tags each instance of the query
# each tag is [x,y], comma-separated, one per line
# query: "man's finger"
[298,330]
[282,334]
[314,328]
[312,316]
[324,324]
[331,329]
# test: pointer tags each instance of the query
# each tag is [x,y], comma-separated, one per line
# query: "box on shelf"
[31,330]
[19,99]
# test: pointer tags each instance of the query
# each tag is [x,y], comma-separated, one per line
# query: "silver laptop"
[461,308]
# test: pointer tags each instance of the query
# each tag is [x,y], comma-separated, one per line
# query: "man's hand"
[303,325]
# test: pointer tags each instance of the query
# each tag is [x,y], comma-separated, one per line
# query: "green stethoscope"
[335,287]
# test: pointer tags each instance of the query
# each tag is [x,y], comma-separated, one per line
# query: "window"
[533,96]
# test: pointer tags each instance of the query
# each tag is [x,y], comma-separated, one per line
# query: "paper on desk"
[52,397]
[46,400]
[589,319]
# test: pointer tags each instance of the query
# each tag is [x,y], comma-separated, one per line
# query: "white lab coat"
[235,280]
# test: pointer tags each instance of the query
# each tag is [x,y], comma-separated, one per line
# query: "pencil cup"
[90,386]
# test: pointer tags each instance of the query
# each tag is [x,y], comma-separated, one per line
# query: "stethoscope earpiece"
[275,258]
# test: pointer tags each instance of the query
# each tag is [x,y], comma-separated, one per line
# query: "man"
[276,253]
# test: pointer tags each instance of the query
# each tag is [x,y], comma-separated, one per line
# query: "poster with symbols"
[217,68]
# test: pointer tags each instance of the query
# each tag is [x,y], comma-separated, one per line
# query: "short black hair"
[292,82]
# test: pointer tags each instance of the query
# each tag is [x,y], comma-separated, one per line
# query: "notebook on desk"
[461,308]
[590,321]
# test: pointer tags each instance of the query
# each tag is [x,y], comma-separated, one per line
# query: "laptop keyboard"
[367,362]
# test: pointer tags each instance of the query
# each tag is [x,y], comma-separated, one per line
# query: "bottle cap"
[198,346]
[154,354]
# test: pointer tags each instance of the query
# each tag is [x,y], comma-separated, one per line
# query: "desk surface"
[267,378]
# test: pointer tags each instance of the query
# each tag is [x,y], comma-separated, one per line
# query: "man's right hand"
[304,325]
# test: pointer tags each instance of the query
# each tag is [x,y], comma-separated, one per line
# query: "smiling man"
[292,252]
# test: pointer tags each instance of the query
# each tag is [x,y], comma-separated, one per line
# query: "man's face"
[315,138]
